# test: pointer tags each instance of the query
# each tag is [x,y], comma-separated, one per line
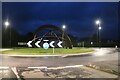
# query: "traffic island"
[47,52]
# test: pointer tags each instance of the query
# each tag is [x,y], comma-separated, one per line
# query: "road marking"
[1,67]
[37,67]
[55,68]
[15,72]
[74,66]
[44,67]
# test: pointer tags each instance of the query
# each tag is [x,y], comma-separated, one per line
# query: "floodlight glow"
[6,23]
[91,42]
[63,26]
[100,28]
[98,22]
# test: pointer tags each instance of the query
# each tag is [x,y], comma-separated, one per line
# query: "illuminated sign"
[45,44]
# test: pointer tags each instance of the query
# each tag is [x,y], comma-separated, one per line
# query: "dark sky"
[78,17]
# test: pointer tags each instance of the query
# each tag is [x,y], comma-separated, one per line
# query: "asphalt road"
[104,54]
[7,74]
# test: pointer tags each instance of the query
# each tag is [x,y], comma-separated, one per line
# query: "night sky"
[78,17]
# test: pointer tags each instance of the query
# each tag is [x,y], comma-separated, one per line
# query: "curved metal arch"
[68,41]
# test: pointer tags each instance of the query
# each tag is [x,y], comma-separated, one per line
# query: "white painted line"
[37,67]
[15,72]
[55,68]
[79,65]
[1,67]
[74,66]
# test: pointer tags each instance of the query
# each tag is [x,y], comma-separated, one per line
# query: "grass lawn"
[41,51]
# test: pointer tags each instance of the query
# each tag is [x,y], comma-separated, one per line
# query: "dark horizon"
[79,17]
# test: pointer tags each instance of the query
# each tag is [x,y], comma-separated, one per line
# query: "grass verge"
[41,51]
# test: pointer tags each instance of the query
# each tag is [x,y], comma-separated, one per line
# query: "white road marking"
[44,67]
[74,66]
[4,67]
[37,67]
[15,72]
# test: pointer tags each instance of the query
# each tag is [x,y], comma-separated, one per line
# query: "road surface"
[105,54]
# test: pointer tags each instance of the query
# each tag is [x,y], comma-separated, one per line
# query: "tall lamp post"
[63,27]
[98,32]
[7,24]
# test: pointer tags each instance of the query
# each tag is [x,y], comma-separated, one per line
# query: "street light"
[98,22]
[100,28]
[7,23]
[63,27]
[91,43]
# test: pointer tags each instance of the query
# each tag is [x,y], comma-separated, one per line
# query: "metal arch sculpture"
[68,41]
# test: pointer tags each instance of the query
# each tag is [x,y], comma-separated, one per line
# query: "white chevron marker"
[37,44]
[51,43]
[29,45]
[59,44]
